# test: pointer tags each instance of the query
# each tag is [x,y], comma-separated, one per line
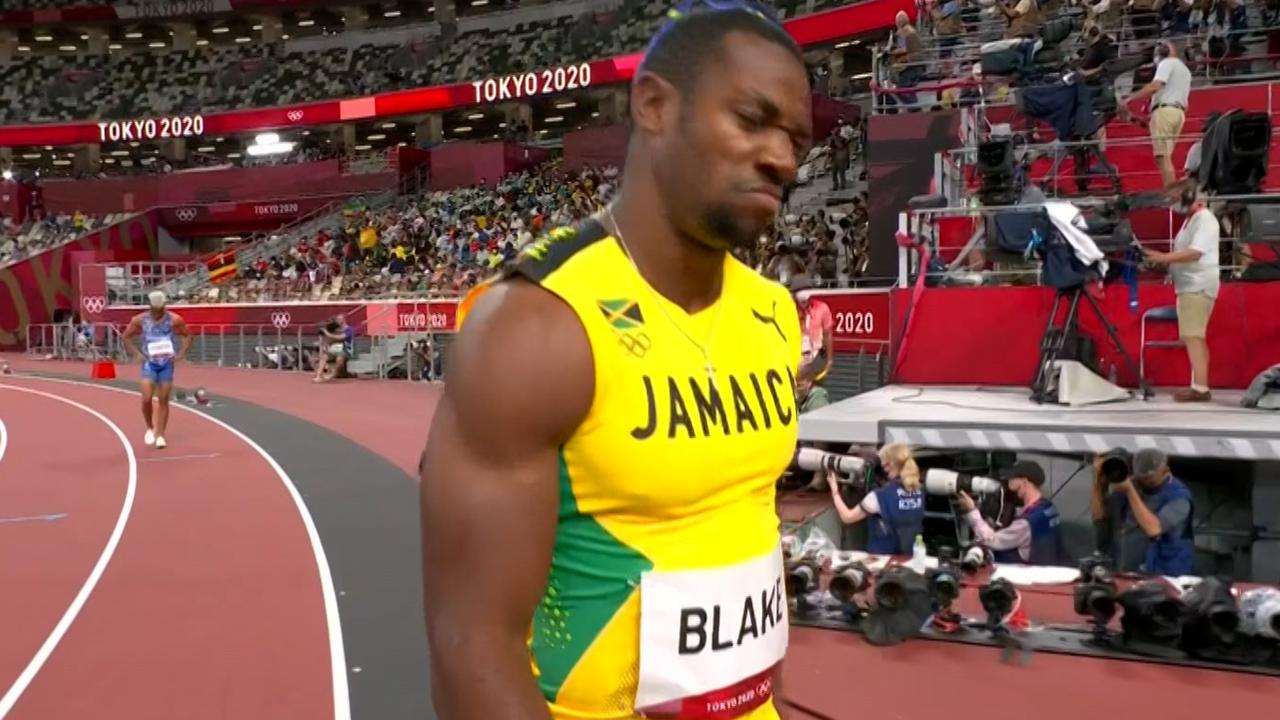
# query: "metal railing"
[87,341]
[921,82]
[128,283]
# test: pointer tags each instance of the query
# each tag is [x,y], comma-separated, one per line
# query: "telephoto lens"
[997,598]
[1117,465]
[975,558]
[849,580]
[1095,591]
[802,578]
[938,481]
[1260,612]
[1212,616]
[944,581]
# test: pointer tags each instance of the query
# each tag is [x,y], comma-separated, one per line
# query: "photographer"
[336,339]
[1144,520]
[817,326]
[1033,537]
[896,508]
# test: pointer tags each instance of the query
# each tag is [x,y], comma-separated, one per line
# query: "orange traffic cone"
[103,370]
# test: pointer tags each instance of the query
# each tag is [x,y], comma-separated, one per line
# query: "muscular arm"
[182,331]
[521,380]
[130,335]
[1147,520]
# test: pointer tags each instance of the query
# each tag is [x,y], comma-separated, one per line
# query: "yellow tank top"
[668,472]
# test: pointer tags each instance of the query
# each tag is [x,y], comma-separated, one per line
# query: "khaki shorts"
[1194,310]
[1166,126]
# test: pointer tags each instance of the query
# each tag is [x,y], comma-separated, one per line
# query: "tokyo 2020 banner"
[813,29]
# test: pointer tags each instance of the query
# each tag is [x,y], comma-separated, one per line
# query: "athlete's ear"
[655,103]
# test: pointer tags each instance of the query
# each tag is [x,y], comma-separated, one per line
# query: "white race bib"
[160,349]
[705,630]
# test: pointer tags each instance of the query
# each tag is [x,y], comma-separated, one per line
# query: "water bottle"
[918,554]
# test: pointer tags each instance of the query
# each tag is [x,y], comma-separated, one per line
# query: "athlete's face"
[736,141]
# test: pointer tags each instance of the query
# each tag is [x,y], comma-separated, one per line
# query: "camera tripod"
[1054,341]
[1083,153]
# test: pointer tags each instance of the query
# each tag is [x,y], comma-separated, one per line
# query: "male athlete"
[599,532]
[157,328]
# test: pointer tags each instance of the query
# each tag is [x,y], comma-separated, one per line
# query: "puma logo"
[771,319]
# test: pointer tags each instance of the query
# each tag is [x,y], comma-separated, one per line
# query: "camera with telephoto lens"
[1117,465]
[849,580]
[974,559]
[998,598]
[1260,612]
[944,581]
[1095,590]
[802,578]
[813,460]
[949,482]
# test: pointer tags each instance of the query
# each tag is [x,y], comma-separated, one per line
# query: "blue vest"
[1172,554]
[901,518]
[152,330]
[1046,539]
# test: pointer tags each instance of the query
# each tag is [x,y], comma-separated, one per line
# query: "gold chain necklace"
[705,349]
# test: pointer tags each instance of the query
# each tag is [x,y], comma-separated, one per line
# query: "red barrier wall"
[31,290]
[825,113]
[234,218]
[991,336]
[595,147]
[99,197]
[522,157]
[466,163]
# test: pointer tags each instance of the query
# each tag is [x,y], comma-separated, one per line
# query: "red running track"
[212,605]
[53,526]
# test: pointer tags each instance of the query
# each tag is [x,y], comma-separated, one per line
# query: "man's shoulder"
[554,250]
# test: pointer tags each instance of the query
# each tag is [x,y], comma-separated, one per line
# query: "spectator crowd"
[442,243]
[43,87]
[18,242]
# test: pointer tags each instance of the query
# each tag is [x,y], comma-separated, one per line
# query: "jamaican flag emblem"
[623,315]
[627,321]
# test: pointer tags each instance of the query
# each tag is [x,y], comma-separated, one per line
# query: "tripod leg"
[1106,166]
[1050,346]
[1115,341]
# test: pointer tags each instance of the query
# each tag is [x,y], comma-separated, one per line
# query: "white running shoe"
[150,437]
[161,444]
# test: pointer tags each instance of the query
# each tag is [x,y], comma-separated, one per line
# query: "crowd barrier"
[988,335]
[863,317]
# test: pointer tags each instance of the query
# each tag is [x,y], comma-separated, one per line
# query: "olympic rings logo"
[637,343]
[281,319]
[185,214]
[93,304]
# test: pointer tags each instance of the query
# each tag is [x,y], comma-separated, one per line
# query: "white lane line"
[4,438]
[32,518]
[28,674]
[172,458]
[337,649]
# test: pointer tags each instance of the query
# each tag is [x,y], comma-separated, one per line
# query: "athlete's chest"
[695,417]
